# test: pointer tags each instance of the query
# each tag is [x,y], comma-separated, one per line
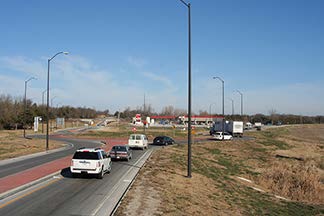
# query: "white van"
[138,141]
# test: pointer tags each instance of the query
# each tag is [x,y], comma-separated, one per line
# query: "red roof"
[163,117]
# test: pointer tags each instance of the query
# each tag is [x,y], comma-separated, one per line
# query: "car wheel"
[109,169]
[101,174]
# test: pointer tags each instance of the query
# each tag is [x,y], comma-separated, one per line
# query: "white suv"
[90,161]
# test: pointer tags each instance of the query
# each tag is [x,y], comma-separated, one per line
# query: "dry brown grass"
[163,185]
[214,188]
[12,144]
[296,182]
[300,180]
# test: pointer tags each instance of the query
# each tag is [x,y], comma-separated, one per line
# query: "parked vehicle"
[138,141]
[90,161]
[219,136]
[235,128]
[163,140]
[121,152]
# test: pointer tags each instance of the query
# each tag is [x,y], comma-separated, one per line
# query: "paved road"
[18,166]
[64,195]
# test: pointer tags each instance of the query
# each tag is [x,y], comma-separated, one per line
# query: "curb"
[129,187]
[109,203]
[27,186]
[24,157]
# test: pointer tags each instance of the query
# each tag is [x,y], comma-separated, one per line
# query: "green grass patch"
[272,142]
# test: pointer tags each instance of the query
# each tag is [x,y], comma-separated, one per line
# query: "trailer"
[235,128]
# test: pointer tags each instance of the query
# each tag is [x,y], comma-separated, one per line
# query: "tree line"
[13,114]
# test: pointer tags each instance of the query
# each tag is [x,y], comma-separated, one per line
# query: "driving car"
[94,161]
[121,152]
[219,136]
[163,140]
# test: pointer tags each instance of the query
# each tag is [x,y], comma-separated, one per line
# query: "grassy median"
[13,144]
[279,172]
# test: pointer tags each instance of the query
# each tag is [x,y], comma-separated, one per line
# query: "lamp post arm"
[185,3]
[58,54]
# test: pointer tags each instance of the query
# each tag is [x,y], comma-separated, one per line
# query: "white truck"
[258,125]
[235,128]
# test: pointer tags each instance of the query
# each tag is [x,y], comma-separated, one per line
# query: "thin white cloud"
[161,79]
[76,81]
[24,65]
[137,62]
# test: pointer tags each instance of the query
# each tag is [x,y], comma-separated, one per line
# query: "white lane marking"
[116,185]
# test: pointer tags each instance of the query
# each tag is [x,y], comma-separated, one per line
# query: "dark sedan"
[163,140]
[121,152]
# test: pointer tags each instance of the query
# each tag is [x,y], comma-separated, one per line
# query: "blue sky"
[272,51]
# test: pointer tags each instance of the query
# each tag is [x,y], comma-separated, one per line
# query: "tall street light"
[210,114]
[43,96]
[25,107]
[223,105]
[241,101]
[210,105]
[232,105]
[43,109]
[189,88]
[47,106]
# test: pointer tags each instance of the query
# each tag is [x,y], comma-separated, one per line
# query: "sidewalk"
[19,179]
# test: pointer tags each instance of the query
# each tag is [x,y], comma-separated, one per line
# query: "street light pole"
[232,106]
[223,104]
[47,105]
[189,87]
[241,101]
[25,107]
[43,109]
[210,114]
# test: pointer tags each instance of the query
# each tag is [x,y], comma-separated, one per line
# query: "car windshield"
[119,148]
[86,155]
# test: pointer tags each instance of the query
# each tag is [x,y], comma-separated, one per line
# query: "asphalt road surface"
[64,195]
[18,166]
